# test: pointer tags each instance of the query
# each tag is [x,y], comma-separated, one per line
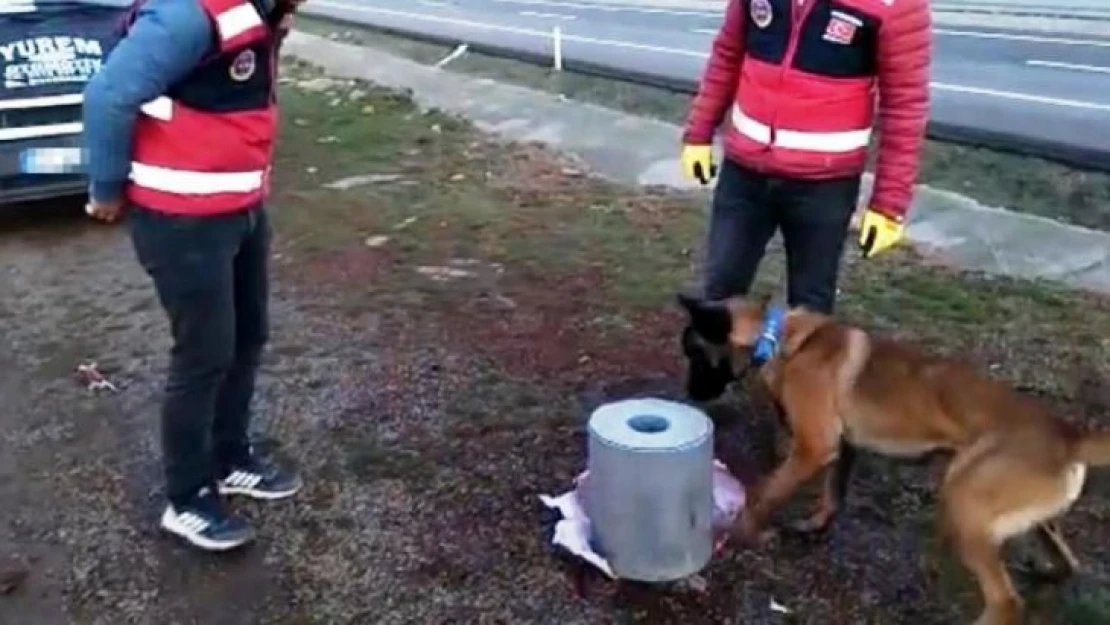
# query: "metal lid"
[649,424]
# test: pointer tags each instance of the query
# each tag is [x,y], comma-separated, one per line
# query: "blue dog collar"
[768,342]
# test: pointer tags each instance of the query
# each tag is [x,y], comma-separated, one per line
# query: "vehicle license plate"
[51,160]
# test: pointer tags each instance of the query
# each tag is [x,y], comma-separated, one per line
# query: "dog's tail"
[1094,449]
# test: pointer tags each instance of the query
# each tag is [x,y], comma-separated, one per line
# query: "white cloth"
[572,531]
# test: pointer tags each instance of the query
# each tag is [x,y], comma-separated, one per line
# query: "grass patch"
[461,196]
[1090,608]
[515,293]
[1019,183]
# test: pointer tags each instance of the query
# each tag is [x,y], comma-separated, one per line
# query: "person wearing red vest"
[795,83]
[179,128]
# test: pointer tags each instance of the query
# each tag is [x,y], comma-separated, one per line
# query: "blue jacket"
[168,39]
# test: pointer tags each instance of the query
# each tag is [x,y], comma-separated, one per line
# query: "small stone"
[328,139]
[572,172]
[351,182]
[311,170]
[405,224]
[300,122]
[318,85]
[458,177]
[443,274]
[368,109]
[12,579]
[505,302]
[377,240]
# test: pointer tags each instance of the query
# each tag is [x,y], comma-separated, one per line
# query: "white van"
[48,51]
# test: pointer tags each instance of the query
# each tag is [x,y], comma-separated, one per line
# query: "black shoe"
[204,523]
[259,480]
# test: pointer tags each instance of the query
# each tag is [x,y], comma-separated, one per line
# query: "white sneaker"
[205,524]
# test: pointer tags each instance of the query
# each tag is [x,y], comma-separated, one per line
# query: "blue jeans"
[813,215]
[212,279]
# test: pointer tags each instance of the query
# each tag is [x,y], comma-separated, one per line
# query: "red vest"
[807,88]
[206,145]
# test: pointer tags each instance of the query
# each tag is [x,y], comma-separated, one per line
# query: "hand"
[107,212]
[697,163]
[877,232]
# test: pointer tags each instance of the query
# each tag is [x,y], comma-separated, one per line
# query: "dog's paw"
[810,529]
[746,534]
[816,524]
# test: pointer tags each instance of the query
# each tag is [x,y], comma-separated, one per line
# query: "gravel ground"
[443,323]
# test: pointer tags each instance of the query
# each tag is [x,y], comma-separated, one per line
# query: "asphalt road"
[1055,88]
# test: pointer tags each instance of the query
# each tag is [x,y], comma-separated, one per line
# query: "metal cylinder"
[649,490]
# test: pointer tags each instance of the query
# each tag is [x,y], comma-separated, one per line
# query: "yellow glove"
[877,232]
[697,163]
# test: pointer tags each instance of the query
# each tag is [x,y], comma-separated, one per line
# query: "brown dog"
[1016,467]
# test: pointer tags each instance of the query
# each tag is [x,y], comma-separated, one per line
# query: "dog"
[1014,466]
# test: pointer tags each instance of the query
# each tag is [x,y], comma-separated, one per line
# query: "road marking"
[609,8]
[1097,43]
[545,34]
[552,16]
[1098,69]
[1022,97]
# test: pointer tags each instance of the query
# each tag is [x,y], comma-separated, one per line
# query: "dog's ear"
[711,319]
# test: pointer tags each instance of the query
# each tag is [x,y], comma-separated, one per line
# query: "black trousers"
[211,276]
[814,217]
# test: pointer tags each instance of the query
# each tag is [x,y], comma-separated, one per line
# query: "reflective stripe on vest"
[160,108]
[831,142]
[237,24]
[237,20]
[183,181]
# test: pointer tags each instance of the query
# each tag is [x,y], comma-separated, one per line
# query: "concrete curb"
[636,150]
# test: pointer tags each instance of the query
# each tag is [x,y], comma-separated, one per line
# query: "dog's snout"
[709,368]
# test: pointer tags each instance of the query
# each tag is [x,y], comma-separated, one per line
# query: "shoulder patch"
[244,66]
[762,13]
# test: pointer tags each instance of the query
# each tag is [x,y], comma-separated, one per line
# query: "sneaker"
[260,481]
[205,524]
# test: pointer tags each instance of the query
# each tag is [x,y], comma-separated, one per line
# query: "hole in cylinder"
[649,424]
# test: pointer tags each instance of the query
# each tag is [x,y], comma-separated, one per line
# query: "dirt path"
[441,329]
